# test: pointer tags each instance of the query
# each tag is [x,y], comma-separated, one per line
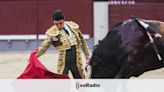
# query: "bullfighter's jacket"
[61,41]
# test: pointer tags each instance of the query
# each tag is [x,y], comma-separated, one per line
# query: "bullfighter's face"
[59,24]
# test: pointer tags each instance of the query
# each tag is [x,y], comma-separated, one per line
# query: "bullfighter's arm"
[51,33]
[44,46]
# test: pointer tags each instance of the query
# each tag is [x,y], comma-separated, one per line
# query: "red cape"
[36,70]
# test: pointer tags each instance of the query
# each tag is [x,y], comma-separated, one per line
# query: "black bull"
[126,51]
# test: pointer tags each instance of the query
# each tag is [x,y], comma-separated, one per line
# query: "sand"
[13,63]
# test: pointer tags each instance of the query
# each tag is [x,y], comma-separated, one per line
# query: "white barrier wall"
[100,20]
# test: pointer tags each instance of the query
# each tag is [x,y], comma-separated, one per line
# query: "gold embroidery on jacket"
[77,39]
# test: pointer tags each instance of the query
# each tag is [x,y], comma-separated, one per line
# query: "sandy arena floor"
[13,63]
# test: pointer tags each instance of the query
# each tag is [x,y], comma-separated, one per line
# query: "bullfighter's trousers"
[70,63]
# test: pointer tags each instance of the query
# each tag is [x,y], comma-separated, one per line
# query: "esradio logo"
[86,85]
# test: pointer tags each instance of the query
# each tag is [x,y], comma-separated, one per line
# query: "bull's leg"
[125,70]
[123,73]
